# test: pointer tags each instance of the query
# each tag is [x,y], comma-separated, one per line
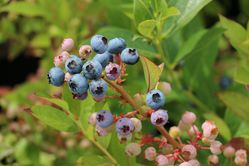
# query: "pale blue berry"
[124,126]
[56,76]
[73,64]
[159,117]
[104,118]
[78,84]
[98,88]
[103,59]
[129,56]
[155,99]
[116,45]
[99,44]
[92,69]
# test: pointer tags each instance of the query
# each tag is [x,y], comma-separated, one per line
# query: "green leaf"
[141,11]
[169,12]
[220,123]
[242,74]
[243,130]
[236,102]
[24,8]
[61,103]
[54,118]
[236,34]
[189,9]
[147,27]
[92,160]
[152,72]
[189,45]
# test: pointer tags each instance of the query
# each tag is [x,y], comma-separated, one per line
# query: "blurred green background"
[31,32]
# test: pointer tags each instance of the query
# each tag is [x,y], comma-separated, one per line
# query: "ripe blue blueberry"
[112,71]
[73,65]
[124,126]
[103,59]
[159,117]
[98,88]
[92,69]
[225,82]
[116,45]
[56,76]
[78,84]
[129,56]
[104,118]
[155,99]
[99,44]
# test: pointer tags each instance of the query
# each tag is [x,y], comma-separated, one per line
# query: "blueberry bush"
[126,83]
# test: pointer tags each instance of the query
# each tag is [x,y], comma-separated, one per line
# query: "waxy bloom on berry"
[185,164]
[99,43]
[133,149]
[150,153]
[112,71]
[194,162]
[155,99]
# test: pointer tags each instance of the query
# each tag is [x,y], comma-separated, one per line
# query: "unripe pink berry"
[165,87]
[193,130]
[70,143]
[57,61]
[67,44]
[210,130]
[194,162]
[68,76]
[137,124]
[185,164]
[189,151]
[229,151]
[101,131]
[213,159]
[174,131]
[215,147]
[92,119]
[240,157]
[183,127]
[188,118]
[162,160]
[150,153]
[133,149]
[85,51]
[124,138]
[64,56]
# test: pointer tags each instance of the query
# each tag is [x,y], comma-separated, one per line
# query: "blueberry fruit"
[103,59]
[159,117]
[116,45]
[98,88]
[155,99]
[129,56]
[73,65]
[82,96]
[56,76]
[124,126]
[99,44]
[225,82]
[78,84]
[112,71]
[104,118]
[92,69]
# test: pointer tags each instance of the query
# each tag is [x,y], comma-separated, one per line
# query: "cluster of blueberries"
[87,75]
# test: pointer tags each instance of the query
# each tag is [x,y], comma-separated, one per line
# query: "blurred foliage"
[198,47]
